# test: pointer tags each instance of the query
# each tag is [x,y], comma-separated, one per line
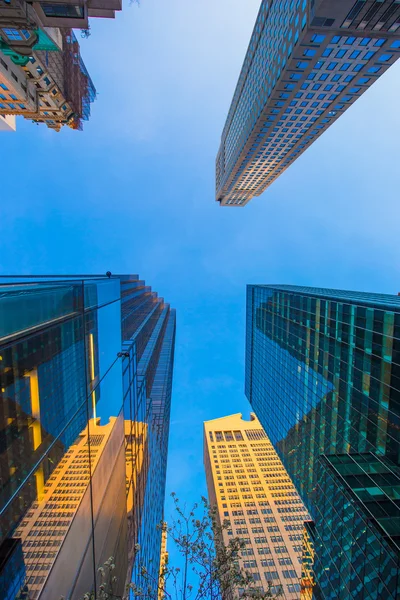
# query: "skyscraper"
[323,375]
[85,380]
[250,487]
[307,62]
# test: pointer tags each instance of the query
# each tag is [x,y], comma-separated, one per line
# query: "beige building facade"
[7,123]
[250,487]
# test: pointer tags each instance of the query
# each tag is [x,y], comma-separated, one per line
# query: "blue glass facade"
[307,62]
[323,376]
[85,394]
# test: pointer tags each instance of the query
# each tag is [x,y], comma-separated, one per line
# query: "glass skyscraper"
[307,62]
[85,393]
[323,376]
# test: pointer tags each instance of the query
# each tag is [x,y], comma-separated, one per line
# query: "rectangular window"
[62,11]
[12,34]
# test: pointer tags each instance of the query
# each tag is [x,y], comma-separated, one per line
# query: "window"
[289,573]
[249,564]
[317,38]
[269,575]
[267,562]
[293,587]
[13,34]
[62,11]
[276,538]
[273,529]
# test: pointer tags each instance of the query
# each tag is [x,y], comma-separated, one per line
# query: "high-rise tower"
[250,487]
[307,62]
[323,375]
[85,381]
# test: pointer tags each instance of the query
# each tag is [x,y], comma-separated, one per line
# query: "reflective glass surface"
[323,375]
[85,392]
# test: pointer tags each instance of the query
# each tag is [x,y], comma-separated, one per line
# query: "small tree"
[210,569]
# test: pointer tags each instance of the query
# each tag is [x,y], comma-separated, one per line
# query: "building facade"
[323,375]
[29,18]
[250,487]
[42,74]
[51,85]
[85,393]
[307,62]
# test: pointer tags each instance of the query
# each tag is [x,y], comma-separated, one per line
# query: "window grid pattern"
[296,80]
[84,421]
[323,374]
[250,486]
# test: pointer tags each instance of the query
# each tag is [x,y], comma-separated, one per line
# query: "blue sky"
[134,192]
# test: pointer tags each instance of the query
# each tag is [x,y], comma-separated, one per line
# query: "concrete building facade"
[7,123]
[251,488]
[307,62]
[29,17]
[50,86]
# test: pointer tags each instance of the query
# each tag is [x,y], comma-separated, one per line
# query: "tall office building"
[323,375]
[85,391]
[307,62]
[250,487]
